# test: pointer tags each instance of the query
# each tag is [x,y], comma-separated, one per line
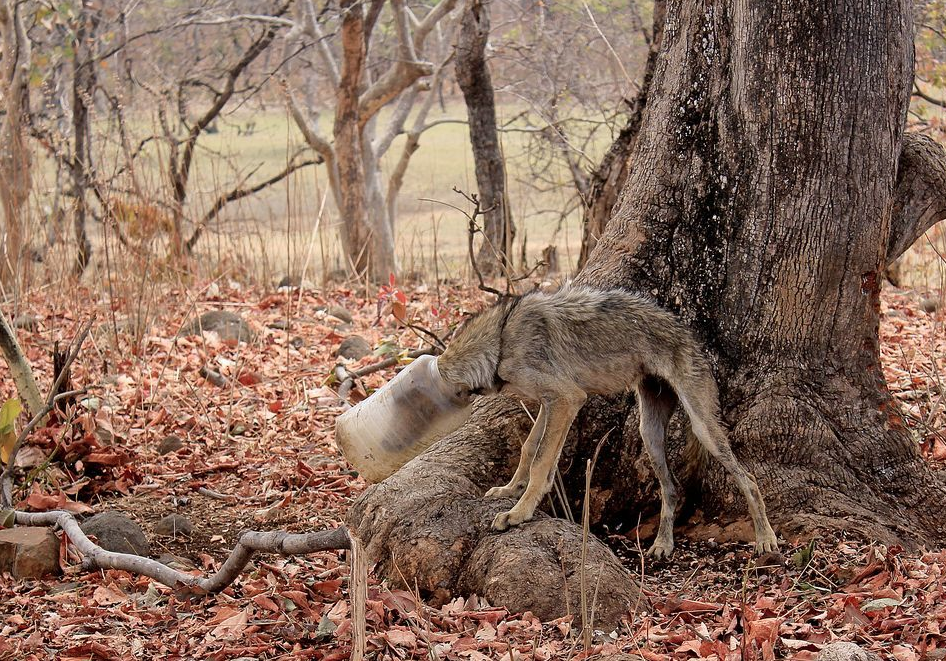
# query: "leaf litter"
[256,452]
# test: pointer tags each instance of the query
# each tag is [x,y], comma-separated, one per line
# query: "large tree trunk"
[770,187]
[474,80]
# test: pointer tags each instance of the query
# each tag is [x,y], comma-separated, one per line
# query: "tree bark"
[476,84]
[764,202]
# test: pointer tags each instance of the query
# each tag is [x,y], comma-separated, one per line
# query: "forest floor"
[258,453]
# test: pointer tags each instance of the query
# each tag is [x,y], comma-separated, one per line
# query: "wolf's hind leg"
[517,485]
[702,407]
[656,403]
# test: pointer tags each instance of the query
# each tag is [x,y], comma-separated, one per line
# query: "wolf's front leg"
[560,413]
[517,485]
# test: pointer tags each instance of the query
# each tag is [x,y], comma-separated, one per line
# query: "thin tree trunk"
[769,190]
[83,87]
[15,157]
[355,230]
[474,79]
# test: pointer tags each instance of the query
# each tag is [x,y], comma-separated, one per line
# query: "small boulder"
[170,443]
[173,525]
[930,304]
[116,532]
[228,325]
[26,322]
[339,313]
[843,651]
[354,347]
[29,552]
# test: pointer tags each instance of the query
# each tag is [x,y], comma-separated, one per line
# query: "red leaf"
[249,378]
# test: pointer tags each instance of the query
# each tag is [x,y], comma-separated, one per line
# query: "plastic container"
[399,421]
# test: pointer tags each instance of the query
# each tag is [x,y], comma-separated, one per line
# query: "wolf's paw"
[767,542]
[661,549]
[505,520]
[507,491]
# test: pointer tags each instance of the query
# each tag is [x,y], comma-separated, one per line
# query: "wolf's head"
[470,362]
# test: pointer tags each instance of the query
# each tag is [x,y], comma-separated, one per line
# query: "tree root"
[429,525]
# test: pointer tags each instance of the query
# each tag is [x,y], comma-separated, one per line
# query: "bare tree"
[365,73]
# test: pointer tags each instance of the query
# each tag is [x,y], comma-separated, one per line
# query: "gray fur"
[559,348]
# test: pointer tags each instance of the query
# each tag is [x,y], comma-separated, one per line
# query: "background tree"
[366,73]
[475,81]
[15,156]
[770,188]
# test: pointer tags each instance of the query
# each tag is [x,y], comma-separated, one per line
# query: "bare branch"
[920,193]
[314,30]
[241,191]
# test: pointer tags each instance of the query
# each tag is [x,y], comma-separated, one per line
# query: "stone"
[116,532]
[26,322]
[170,443]
[354,347]
[173,525]
[29,552]
[930,304]
[228,325]
[339,313]
[845,652]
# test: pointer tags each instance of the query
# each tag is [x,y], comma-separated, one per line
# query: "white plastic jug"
[400,420]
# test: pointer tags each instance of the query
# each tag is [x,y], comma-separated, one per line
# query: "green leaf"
[7,518]
[803,556]
[8,413]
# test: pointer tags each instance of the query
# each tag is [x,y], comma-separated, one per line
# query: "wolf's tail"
[695,459]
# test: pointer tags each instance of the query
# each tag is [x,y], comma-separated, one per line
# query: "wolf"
[558,348]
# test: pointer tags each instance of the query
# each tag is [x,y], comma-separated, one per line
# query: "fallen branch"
[249,543]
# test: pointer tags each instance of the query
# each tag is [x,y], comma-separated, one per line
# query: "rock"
[173,525]
[29,552]
[930,304]
[228,325]
[294,282]
[26,322]
[170,443]
[845,652]
[354,347]
[116,532]
[339,313]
